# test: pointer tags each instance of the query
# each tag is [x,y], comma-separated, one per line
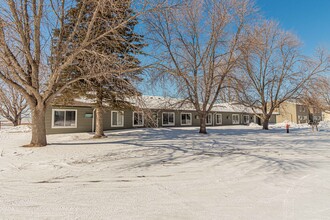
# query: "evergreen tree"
[121,48]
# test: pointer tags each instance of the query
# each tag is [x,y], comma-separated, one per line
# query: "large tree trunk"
[202,126]
[15,122]
[99,132]
[265,123]
[38,127]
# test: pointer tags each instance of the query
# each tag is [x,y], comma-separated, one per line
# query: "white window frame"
[248,117]
[185,113]
[211,117]
[232,119]
[216,119]
[64,110]
[172,124]
[123,118]
[138,120]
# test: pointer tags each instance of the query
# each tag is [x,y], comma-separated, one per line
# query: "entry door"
[246,119]
[235,119]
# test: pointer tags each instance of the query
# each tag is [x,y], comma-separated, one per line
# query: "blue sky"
[308,19]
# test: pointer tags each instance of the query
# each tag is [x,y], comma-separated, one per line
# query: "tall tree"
[111,89]
[26,27]
[196,47]
[273,70]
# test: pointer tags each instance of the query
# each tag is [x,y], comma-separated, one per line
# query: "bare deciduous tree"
[36,66]
[196,48]
[317,93]
[12,105]
[273,69]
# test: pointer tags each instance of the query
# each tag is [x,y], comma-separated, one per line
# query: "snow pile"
[17,129]
[292,125]
[324,124]
[254,125]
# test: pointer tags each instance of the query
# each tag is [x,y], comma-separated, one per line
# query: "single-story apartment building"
[150,111]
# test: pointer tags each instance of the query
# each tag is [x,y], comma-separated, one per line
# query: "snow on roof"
[84,100]
[161,102]
[232,107]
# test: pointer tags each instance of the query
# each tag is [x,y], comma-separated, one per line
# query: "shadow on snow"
[270,151]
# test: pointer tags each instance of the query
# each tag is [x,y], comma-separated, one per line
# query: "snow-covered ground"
[234,172]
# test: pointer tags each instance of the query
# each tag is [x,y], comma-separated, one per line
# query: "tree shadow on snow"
[253,150]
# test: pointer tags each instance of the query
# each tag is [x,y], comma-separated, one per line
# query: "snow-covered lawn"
[234,172]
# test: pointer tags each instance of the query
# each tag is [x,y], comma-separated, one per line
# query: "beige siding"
[326,116]
[295,112]
[287,112]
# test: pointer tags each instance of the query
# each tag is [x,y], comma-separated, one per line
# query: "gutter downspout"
[93,119]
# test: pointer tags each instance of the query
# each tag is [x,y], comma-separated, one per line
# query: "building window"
[218,119]
[64,118]
[315,118]
[209,119]
[168,118]
[246,119]
[235,119]
[186,119]
[138,119]
[117,119]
